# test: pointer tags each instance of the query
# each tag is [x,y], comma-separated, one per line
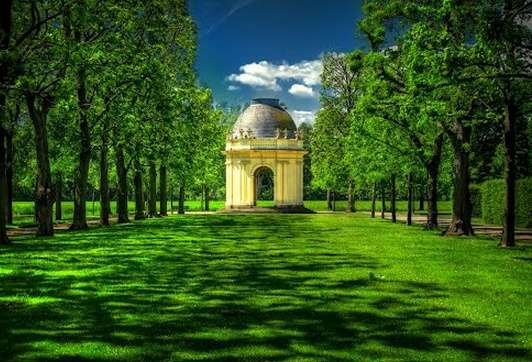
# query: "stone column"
[228,183]
[299,182]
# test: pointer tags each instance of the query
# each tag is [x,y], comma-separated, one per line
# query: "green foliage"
[493,202]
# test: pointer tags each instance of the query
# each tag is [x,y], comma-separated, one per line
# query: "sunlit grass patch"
[264,287]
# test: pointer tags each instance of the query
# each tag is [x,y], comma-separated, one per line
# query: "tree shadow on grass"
[221,289]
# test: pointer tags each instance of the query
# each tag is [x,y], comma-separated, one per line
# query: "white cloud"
[300,90]
[266,75]
[255,81]
[303,117]
[233,88]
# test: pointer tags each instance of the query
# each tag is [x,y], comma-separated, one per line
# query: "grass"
[23,210]
[264,287]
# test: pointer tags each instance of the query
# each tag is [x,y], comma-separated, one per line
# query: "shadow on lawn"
[230,288]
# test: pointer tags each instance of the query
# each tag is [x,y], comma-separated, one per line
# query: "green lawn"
[270,287]
[23,210]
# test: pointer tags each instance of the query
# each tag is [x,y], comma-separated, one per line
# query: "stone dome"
[264,116]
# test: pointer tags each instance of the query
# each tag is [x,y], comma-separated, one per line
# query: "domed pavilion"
[264,138]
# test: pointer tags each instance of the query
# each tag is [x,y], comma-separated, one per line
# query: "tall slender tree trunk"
[35,203]
[393,197]
[139,192]
[202,198]
[93,202]
[152,194]
[350,198]
[3,187]
[334,200]
[422,198]
[163,202]
[79,221]
[207,198]
[171,200]
[383,200]
[9,176]
[105,201]
[373,199]
[329,200]
[433,169]
[59,196]
[410,198]
[508,234]
[121,190]
[44,195]
[462,209]
[181,205]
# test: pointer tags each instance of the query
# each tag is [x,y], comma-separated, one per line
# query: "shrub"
[492,202]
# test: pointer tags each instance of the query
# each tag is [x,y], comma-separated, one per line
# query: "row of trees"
[443,84]
[96,92]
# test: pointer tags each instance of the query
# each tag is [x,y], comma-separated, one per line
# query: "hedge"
[492,202]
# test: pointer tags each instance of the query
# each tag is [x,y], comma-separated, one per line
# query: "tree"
[503,40]
[327,150]
[388,109]
[339,82]
[17,43]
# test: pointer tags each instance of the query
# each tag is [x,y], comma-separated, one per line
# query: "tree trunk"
[171,201]
[334,200]
[181,205]
[410,199]
[139,192]
[163,202]
[433,169]
[421,198]
[121,189]
[152,194]
[9,176]
[93,202]
[207,198]
[59,197]
[202,195]
[44,196]
[383,200]
[508,234]
[329,200]
[79,221]
[461,219]
[373,199]
[3,188]
[105,201]
[350,198]
[393,197]
[35,204]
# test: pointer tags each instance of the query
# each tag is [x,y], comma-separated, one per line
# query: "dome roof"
[264,116]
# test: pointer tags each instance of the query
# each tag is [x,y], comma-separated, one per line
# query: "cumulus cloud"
[300,90]
[233,88]
[264,74]
[303,116]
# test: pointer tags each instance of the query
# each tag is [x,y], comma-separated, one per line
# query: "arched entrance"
[263,185]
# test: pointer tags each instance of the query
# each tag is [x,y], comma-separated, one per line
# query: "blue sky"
[271,48]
